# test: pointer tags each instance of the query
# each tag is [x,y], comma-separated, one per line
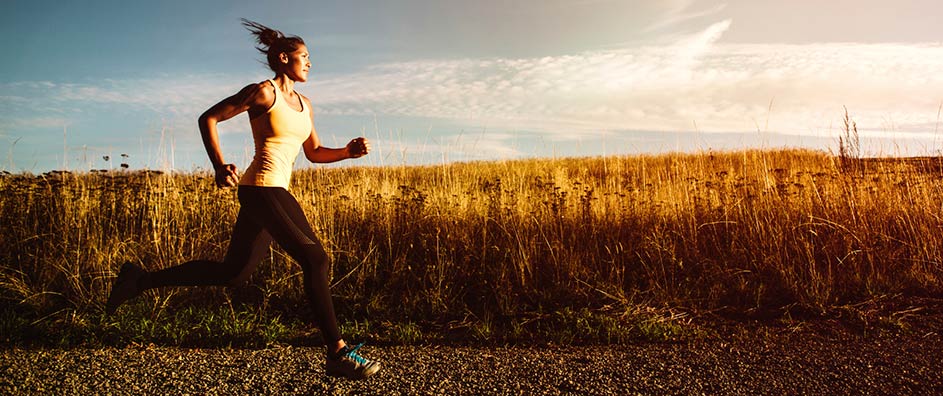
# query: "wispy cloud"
[720,87]
[459,147]
[33,122]
[42,103]
[679,11]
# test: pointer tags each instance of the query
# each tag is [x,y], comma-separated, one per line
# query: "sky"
[434,81]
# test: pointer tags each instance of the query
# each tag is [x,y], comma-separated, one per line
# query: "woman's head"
[284,54]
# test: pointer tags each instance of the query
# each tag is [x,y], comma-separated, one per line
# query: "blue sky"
[432,81]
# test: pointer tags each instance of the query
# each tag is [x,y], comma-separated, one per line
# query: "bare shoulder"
[256,97]
[257,93]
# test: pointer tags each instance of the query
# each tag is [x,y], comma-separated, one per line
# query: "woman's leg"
[247,247]
[287,224]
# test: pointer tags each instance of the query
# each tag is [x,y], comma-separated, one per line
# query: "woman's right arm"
[250,96]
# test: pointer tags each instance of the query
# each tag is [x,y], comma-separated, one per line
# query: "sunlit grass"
[509,247]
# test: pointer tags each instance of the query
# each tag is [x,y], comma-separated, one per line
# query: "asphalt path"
[758,360]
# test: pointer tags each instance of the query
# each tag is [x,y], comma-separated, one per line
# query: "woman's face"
[297,64]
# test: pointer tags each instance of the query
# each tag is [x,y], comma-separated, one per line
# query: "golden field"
[734,231]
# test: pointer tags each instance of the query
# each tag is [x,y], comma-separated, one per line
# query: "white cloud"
[721,87]
[679,11]
[461,147]
[170,96]
[34,122]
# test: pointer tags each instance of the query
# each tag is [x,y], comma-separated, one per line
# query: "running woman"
[282,123]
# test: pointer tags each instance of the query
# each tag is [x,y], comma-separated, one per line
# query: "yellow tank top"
[278,136]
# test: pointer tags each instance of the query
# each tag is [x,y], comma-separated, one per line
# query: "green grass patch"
[248,326]
[139,323]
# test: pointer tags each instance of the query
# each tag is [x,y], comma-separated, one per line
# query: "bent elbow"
[311,153]
[205,119]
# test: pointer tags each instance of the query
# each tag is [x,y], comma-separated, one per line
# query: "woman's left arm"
[315,152]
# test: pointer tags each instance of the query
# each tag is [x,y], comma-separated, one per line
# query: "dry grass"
[476,242]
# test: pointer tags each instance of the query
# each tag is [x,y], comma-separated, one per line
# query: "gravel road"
[753,361]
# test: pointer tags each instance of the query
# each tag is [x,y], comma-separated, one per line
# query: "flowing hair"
[272,42]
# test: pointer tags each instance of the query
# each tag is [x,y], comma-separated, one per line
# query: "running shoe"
[347,363]
[125,287]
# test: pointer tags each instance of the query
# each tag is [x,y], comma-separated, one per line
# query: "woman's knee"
[235,274]
[238,279]
[315,259]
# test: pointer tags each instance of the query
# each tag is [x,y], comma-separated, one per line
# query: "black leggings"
[265,213]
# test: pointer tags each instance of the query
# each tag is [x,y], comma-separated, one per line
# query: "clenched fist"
[226,176]
[358,147]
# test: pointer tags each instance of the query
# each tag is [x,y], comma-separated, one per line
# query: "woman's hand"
[226,176]
[358,147]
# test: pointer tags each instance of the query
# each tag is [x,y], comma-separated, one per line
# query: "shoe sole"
[366,373]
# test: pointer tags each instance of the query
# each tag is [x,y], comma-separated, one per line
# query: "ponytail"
[272,42]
